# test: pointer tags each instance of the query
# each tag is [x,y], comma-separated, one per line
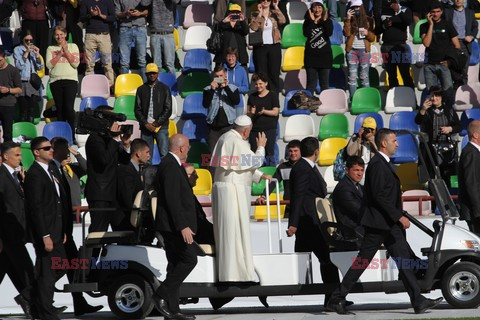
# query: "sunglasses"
[47,148]
[28,40]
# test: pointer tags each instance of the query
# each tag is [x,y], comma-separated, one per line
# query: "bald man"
[469,179]
[176,219]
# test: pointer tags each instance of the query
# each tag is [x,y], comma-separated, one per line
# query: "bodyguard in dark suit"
[348,199]
[129,181]
[14,258]
[469,179]
[176,220]
[307,184]
[384,223]
[46,218]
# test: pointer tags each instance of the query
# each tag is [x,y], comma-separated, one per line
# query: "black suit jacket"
[348,205]
[129,184]
[13,227]
[162,105]
[66,198]
[384,196]
[471,24]
[176,207]
[306,184]
[469,183]
[45,209]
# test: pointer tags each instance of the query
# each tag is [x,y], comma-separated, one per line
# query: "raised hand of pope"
[261,139]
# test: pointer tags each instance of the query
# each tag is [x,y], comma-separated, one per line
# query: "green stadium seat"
[27,156]
[338,57]
[417,39]
[259,188]
[125,105]
[293,36]
[197,149]
[194,83]
[366,100]
[26,129]
[334,125]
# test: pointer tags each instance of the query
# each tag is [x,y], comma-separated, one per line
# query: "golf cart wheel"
[461,285]
[130,297]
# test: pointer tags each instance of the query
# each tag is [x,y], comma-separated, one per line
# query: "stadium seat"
[294,80]
[467,97]
[127,84]
[333,101]
[41,72]
[420,57]
[260,212]
[333,126]
[195,129]
[408,174]
[375,55]
[259,188]
[26,129]
[251,64]
[417,39]
[359,120]
[293,58]
[475,55]
[92,103]
[406,150]
[241,107]
[400,99]
[193,107]
[338,57]
[196,37]
[290,112]
[419,79]
[473,72]
[156,159]
[58,129]
[399,77]
[366,100]
[299,126]
[125,105]
[329,149]
[413,208]
[204,182]
[172,128]
[198,14]
[197,60]
[175,111]
[404,120]
[197,149]
[464,142]
[466,117]
[292,36]
[170,80]
[6,38]
[337,37]
[337,80]
[194,83]
[329,179]
[186,3]
[137,134]
[95,85]
[49,92]
[27,157]
[296,11]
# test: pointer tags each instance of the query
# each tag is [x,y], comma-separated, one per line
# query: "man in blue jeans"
[131,15]
[153,107]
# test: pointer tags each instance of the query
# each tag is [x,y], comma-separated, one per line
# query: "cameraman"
[104,154]
[362,144]
[220,97]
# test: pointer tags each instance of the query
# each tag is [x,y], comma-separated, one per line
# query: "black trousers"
[7,114]
[268,59]
[46,277]
[474,225]
[396,58]
[308,238]
[40,33]
[101,219]
[27,106]
[213,136]
[396,244]
[181,261]
[64,93]
[313,75]
[269,148]
[71,252]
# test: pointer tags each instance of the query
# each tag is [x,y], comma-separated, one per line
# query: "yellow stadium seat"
[329,149]
[260,212]
[127,84]
[399,77]
[293,59]
[41,72]
[176,36]
[204,182]
[408,174]
[172,128]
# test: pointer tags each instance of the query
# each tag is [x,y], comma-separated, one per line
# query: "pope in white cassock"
[235,168]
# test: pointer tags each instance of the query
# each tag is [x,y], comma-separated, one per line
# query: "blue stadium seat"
[337,37]
[7,41]
[58,129]
[251,65]
[176,23]
[240,107]
[337,79]
[92,103]
[359,120]
[464,141]
[276,156]
[404,120]
[475,56]
[196,129]
[193,107]
[156,159]
[406,151]
[467,117]
[197,60]
[169,80]
[287,112]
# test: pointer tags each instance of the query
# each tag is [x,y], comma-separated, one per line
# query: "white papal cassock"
[235,169]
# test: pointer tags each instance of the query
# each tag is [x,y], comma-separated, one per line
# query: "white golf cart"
[452,261]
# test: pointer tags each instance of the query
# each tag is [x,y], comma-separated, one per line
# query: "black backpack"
[215,42]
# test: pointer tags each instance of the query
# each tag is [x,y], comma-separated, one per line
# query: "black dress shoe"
[427,304]
[348,303]
[161,306]
[86,309]
[338,307]
[180,316]
[25,306]
[60,309]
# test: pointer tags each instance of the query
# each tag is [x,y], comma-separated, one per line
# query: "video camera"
[100,122]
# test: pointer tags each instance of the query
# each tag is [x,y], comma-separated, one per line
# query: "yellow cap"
[369,122]
[151,67]
[234,7]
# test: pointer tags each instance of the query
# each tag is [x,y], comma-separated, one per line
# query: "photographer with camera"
[362,143]
[220,97]
[440,122]
[104,154]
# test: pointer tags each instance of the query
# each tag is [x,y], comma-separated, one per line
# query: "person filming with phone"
[362,143]
[220,98]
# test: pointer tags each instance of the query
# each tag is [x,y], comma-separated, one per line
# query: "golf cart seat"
[104,237]
[331,229]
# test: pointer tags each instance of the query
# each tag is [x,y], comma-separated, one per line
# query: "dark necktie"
[141,169]
[17,181]
[359,187]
